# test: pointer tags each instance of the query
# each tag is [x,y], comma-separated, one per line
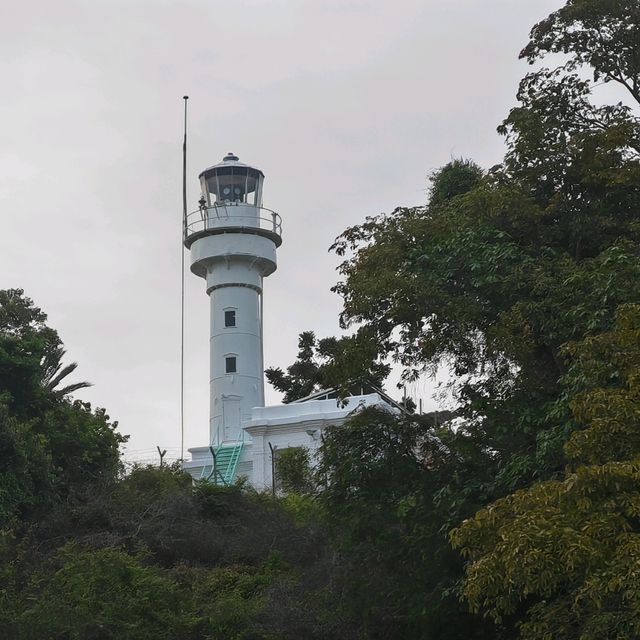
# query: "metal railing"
[231,216]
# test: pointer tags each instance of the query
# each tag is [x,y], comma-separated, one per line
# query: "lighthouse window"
[230,364]
[230,318]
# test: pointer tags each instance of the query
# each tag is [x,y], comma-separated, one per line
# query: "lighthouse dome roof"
[230,160]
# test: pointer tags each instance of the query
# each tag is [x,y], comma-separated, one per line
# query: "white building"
[233,242]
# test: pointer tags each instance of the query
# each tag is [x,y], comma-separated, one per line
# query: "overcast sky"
[346,105]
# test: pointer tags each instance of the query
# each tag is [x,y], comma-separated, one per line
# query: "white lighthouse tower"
[233,242]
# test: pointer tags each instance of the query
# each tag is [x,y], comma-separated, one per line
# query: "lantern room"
[231,182]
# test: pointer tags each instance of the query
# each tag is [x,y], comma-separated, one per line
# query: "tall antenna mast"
[182,235]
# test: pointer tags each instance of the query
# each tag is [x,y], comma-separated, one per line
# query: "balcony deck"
[232,218]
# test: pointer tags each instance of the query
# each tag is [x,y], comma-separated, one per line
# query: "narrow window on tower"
[230,318]
[230,364]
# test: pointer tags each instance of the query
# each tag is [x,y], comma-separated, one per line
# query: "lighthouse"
[232,241]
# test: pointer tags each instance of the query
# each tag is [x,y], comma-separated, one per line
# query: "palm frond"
[70,388]
[53,373]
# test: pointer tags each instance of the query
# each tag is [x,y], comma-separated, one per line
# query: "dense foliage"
[152,556]
[293,470]
[495,274]
[390,489]
[52,447]
[570,548]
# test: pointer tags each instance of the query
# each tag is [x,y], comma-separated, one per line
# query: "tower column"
[233,242]
[236,380]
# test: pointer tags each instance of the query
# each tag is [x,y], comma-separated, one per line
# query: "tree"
[54,373]
[568,550]
[154,552]
[494,277]
[392,487]
[326,364]
[456,178]
[25,466]
[293,470]
[559,556]
[25,340]
[53,446]
[601,35]
[98,594]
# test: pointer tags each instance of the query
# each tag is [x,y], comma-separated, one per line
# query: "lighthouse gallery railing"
[233,217]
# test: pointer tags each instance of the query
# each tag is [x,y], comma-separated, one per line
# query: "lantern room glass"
[232,185]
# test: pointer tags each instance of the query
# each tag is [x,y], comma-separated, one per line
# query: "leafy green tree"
[600,35]
[25,340]
[493,277]
[293,470]
[82,443]
[53,446]
[25,465]
[456,178]
[567,550]
[573,539]
[98,594]
[392,487]
[329,363]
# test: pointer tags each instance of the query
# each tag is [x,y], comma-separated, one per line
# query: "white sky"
[346,105]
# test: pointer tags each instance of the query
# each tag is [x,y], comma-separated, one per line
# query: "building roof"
[334,393]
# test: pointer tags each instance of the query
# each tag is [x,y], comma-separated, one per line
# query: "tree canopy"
[568,550]
[495,274]
[325,363]
[52,445]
